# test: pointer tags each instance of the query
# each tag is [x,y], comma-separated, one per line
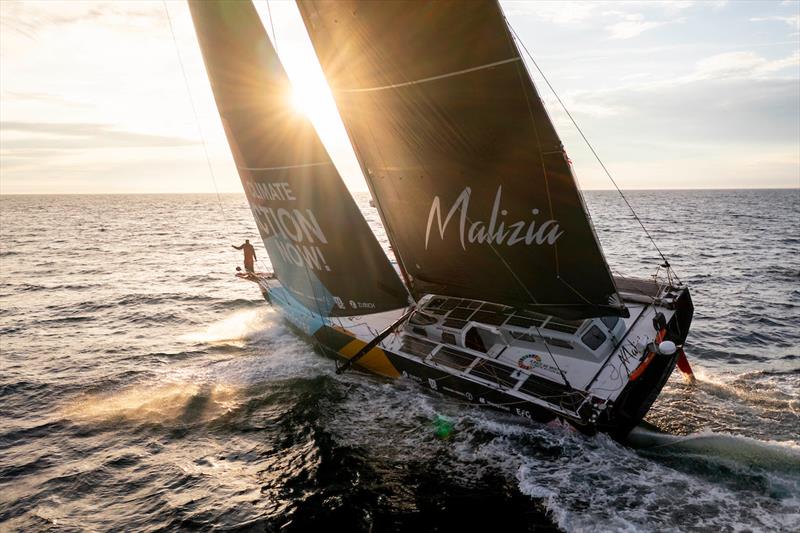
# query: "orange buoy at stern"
[636,374]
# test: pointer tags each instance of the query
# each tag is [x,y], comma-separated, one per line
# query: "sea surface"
[143,387]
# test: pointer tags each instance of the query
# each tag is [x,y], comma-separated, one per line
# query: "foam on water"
[200,393]
[143,387]
[656,481]
[147,402]
[236,329]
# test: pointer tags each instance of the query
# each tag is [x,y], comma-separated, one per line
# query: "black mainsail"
[467,170]
[320,246]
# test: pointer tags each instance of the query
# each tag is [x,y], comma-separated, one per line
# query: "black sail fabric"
[321,248]
[466,168]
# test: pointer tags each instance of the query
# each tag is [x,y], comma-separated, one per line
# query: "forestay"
[468,173]
[320,246]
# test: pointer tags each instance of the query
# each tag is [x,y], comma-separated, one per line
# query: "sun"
[300,103]
[308,96]
[309,100]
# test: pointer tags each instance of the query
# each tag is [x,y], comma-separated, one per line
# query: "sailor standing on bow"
[249,255]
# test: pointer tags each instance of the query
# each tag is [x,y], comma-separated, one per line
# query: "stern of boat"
[639,395]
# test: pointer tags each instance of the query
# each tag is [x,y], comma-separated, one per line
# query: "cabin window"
[594,338]
[481,339]
[473,341]
[610,322]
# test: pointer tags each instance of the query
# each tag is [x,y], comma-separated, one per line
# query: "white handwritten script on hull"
[494,232]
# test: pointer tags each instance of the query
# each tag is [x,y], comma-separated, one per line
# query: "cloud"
[700,112]
[632,25]
[560,12]
[623,20]
[793,21]
[729,132]
[47,98]
[29,18]
[742,65]
[77,135]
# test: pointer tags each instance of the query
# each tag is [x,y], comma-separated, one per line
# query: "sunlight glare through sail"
[311,95]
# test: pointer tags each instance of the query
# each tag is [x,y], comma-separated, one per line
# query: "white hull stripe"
[432,78]
[322,163]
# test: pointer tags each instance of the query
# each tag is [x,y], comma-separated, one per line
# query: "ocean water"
[143,387]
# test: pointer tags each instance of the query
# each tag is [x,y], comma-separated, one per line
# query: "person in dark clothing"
[249,255]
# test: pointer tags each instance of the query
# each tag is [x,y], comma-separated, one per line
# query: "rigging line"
[596,156]
[274,35]
[544,166]
[197,124]
[194,112]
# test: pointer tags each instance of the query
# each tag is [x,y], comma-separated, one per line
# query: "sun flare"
[299,103]
[308,102]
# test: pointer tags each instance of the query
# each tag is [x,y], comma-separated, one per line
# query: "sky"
[112,97]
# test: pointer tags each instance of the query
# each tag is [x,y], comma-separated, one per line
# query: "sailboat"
[500,294]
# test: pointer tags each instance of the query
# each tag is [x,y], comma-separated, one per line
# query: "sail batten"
[286,167]
[433,78]
[468,172]
[321,248]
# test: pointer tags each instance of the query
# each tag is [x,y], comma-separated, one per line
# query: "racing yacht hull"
[611,394]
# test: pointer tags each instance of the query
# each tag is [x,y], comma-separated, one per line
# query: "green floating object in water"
[442,427]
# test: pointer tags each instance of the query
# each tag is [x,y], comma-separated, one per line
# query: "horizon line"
[213,193]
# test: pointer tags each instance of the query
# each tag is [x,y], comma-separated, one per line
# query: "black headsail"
[470,177]
[319,243]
